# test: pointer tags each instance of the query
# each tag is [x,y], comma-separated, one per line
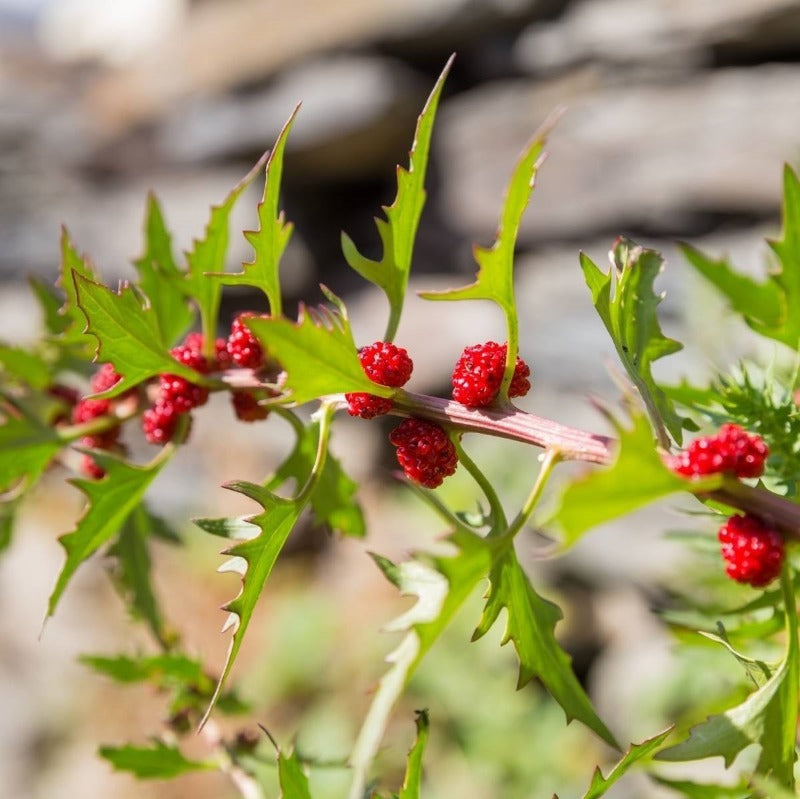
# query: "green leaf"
[293,781]
[695,790]
[8,511]
[333,499]
[635,753]
[531,622]
[273,234]
[25,366]
[769,308]
[318,353]
[26,447]
[156,762]
[398,231]
[767,717]
[637,477]
[160,279]
[413,778]
[208,255]
[495,279]
[73,263]
[162,670]
[132,572]
[629,313]
[110,501]
[50,305]
[128,335]
[258,556]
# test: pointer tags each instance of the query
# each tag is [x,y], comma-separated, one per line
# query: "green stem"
[550,460]
[789,703]
[498,516]
[325,415]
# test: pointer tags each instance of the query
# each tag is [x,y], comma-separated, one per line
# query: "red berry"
[104,378]
[753,550]
[425,451]
[105,440]
[159,422]
[88,409]
[190,353]
[243,347]
[247,408]
[385,364]
[731,450]
[181,394]
[90,467]
[478,374]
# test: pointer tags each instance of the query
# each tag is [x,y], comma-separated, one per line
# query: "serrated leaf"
[398,231]
[259,555]
[413,777]
[26,447]
[769,307]
[72,263]
[530,624]
[635,753]
[495,278]
[637,477]
[625,301]
[270,240]
[333,499]
[318,353]
[156,762]
[292,778]
[128,335]
[767,717]
[110,501]
[25,365]
[232,527]
[696,790]
[208,255]
[160,279]
[133,566]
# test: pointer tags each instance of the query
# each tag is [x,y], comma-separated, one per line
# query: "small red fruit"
[104,378]
[243,347]
[247,407]
[753,550]
[731,450]
[159,422]
[385,364]
[478,374]
[425,451]
[181,394]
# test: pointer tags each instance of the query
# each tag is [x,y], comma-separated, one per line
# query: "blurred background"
[679,116]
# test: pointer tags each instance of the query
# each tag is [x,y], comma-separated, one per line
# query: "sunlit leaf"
[73,263]
[292,778]
[399,229]
[413,778]
[273,234]
[26,447]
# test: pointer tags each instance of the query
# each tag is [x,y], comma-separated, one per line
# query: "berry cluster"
[384,364]
[425,451]
[731,450]
[752,549]
[478,374]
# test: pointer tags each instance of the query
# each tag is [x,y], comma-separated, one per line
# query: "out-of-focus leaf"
[72,263]
[413,778]
[399,229]
[26,447]
[50,305]
[292,778]
[24,365]
[160,279]
[156,762]
[110,501]
[161,670]
[696,790]
[273,234]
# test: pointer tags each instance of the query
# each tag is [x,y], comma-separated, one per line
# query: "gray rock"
[640,156]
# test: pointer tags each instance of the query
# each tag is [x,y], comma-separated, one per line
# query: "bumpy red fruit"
[386,364]
[425,451]
[105,440]
[180,393]
[478,374]
[752,549]
[190,353]
[159,422]
[731,450]
[243,347]
[247,408]
[88,409]
[104,378]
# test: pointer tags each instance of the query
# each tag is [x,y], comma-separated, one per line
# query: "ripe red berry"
[243,347]
[190,353]
[88,409]
[731,450]
[159,422]
[104,378]
[247,408]
[180,393]
[478,374]
[105,440]
[752,549]
[425,451]
[386,364]
[91,468]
